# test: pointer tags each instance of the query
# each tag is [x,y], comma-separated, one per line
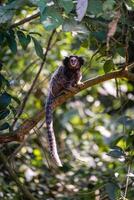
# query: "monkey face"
[73,61]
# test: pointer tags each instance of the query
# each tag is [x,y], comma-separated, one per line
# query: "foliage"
[94,129]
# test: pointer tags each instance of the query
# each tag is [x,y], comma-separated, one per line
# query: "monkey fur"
[65,78]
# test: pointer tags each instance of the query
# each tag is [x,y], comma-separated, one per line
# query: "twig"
[35,79]
[11,172]
[23,21]
[30,123]
[130,67]
[127,181]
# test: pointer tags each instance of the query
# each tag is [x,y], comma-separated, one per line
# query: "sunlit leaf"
[81,8]
[116,140]
[34,33]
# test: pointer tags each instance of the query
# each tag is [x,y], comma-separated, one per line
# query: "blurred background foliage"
[95,128]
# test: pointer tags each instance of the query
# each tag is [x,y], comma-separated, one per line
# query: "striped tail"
[50,131]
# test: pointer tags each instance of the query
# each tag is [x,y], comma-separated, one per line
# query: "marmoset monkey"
[64,78]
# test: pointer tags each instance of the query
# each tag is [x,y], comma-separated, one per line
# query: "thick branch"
[29,124]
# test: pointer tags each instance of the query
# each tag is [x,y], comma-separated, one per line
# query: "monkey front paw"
[79,84]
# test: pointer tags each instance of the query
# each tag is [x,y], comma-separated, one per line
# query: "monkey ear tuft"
[65,61]
[81,60]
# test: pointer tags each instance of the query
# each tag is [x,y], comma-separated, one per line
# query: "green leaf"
[42,4]
[23,39]
[51,18]
[35,33]
[67,5]
[108,5]
[108,66]
[3,81]
[11,42]
[121,51]
[116,140]
[4,126]
[2,37]
[126,121]
[38,48]
[4,113]
[13,110]
[111,190]
[116,153]
[100,35]
[15,99]
[5,100]
[130,3]
[95,7]
[5,15]
[72,25]
[7,11]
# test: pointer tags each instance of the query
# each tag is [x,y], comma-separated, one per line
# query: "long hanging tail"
[50,131]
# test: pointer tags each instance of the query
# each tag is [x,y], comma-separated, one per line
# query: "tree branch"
[27,19]
[30,123]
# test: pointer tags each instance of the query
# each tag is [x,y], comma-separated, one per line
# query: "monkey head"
[73,62]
